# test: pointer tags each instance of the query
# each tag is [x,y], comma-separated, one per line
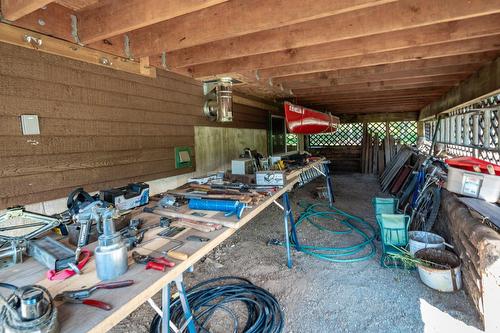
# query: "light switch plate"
[30,125]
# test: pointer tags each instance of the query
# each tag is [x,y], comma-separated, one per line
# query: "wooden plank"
[369,109]
[37,164]
[21,185]
[483,44]
[15,86]
[483,82]
[438,65]
[327,80]
[15,9]
[78,4]
[253,103]
[23,146]
[366,22]
[205,26]
[15,106]
[13,35]
[118,17]
[379,87]
[200,59]
[10,126]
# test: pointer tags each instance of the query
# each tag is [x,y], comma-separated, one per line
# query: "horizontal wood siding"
[99,127]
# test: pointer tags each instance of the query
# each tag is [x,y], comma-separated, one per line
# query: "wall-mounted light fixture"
[219,99]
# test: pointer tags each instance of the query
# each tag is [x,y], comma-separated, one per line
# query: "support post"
[286,217]
[165,304]
[185,304]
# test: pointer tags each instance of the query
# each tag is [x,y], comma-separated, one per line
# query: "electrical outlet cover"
[29,124]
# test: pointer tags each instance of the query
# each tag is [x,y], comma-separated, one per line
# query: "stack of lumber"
[377,153]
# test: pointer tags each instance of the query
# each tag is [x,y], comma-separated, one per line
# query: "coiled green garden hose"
[363,250]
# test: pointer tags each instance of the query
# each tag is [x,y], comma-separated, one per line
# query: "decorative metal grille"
[471,131]
[345,135]
[404,131]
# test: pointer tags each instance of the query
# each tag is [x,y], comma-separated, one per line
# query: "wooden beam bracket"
[29,39]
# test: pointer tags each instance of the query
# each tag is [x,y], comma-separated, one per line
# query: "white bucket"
[441,279]
[423,239]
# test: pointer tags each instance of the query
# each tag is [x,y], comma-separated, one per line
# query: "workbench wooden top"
[77,318]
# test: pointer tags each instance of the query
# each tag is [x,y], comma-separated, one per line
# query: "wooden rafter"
[118,17]
[15,9]
[231,20]
[391,17]
[198,60]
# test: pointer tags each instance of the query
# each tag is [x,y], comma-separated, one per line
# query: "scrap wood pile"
[377,153]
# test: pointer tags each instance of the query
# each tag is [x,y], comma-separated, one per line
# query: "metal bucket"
[423,239]
[437,277]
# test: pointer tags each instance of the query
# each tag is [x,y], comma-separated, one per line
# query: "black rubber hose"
[264,313]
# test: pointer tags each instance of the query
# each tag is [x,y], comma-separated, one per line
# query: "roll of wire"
[264,313]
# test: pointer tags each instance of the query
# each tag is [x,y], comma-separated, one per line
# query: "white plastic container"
[473,184]
[442,279]
[422,239]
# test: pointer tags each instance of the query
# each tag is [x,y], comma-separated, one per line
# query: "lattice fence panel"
[378,128]
[404,131]
[292,139]
[346,135]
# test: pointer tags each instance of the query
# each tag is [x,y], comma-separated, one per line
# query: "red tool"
[67,273]
[81,296]
[156,263]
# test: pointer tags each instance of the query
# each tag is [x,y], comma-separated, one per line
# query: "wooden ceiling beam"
[231,19]
[199,59]
[401,15]
[355,99]
[387,101]
[483,44]
[458,72]
[435,65]
[400,92]
[15,9]
[378,86]
[392,108]
[119,17]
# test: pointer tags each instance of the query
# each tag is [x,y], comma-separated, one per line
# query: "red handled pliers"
[156,263]
[81,296]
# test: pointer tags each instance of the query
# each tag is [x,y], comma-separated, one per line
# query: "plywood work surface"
[80,318]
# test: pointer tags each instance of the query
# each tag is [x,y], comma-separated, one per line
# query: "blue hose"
[363,250]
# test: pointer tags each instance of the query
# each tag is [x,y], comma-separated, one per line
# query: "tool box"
[273,178]
[127,197]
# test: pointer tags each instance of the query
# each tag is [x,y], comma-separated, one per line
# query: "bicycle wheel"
[427,209]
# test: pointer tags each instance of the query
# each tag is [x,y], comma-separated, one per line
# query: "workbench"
[77,318]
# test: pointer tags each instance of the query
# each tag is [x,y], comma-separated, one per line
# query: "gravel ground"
[319,296]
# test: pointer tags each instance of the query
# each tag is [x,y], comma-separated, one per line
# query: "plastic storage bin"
[473,184]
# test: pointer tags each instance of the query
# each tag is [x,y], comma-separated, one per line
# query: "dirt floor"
[320,296]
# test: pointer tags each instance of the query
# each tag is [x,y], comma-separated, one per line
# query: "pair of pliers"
[156,263]
[81,296]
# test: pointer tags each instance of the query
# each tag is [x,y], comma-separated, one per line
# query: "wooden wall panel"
[343,158]
[99,127]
